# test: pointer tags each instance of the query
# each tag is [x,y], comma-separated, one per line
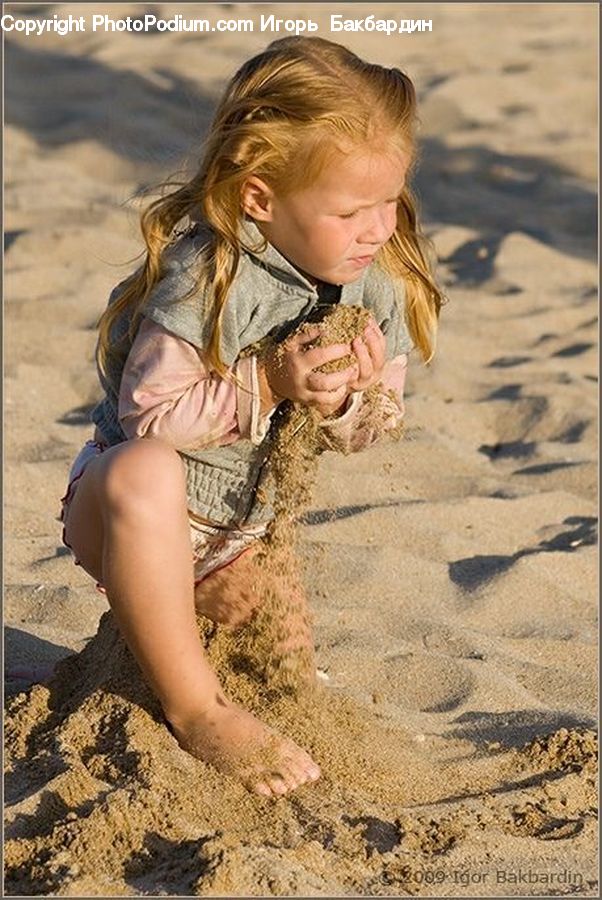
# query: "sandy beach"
[452,575]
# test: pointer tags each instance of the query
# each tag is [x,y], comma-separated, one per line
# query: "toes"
[270,786]
[294,769]
[302,772]
[276,785]
[294,778]
[298,772]
[262,789]
[303,768]
[295,756]
[313,771]
[279,785]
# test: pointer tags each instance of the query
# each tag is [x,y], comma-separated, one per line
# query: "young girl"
[301,199]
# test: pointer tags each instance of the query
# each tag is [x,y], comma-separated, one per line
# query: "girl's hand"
[289,371]
[370,351]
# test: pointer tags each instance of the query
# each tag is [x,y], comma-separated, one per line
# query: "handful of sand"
[338,325]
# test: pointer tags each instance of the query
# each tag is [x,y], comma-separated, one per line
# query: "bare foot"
[235,742]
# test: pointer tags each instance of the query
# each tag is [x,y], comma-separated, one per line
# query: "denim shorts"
[213,546]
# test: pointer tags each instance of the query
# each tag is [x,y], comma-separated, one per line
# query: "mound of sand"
[103,800]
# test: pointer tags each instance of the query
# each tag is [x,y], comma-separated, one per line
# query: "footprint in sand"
[573,433]
[515,68]
[573,350]
[516,109]
[379,835]
[537,823]
[473,572]
[505,392]
[514,422]
[447,642]
[425,682]
[508,450]
[507,362]
[545,468]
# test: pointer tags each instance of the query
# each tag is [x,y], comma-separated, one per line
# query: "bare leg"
[128,526]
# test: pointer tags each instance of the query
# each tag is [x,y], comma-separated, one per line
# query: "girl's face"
[333,229]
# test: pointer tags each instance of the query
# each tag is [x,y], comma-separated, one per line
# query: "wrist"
[329,412]
[268,398]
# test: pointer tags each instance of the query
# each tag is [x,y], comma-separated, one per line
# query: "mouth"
[362,260]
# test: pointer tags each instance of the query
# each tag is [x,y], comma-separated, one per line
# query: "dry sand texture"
[451,575]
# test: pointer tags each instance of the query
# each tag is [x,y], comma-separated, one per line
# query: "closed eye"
[350,215]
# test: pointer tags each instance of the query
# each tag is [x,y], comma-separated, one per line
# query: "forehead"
[363,176]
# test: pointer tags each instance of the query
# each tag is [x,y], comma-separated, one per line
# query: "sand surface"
[452,575]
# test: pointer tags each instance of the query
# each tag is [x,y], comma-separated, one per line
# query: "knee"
[143,472]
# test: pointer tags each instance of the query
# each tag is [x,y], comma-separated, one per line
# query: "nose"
[379,224]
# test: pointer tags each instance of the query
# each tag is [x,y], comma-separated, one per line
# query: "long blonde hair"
[283,116]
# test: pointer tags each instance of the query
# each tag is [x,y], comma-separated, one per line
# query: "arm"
[167,392]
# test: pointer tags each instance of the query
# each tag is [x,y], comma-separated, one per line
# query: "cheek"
[342,234]
[331,239]
[392,220]
[321,237]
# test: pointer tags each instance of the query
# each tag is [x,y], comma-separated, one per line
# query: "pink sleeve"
[364,423]
[167,392]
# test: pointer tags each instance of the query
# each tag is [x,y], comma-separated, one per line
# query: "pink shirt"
[167,392]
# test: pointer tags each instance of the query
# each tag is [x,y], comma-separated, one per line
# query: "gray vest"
[268,296]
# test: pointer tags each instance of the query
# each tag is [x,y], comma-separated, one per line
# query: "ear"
[256,199]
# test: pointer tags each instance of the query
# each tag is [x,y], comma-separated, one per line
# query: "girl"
[301,199]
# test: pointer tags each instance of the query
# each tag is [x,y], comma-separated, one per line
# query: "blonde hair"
[284,115]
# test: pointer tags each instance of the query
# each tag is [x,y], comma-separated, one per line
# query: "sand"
[451,574]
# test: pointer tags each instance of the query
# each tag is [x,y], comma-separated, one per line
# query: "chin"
[348,278]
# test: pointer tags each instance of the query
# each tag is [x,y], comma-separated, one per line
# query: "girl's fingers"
[377,347]
[369,351]
[303,338]
[375,340]
[364,360]
[374,328]
[320,355]
[330,381]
